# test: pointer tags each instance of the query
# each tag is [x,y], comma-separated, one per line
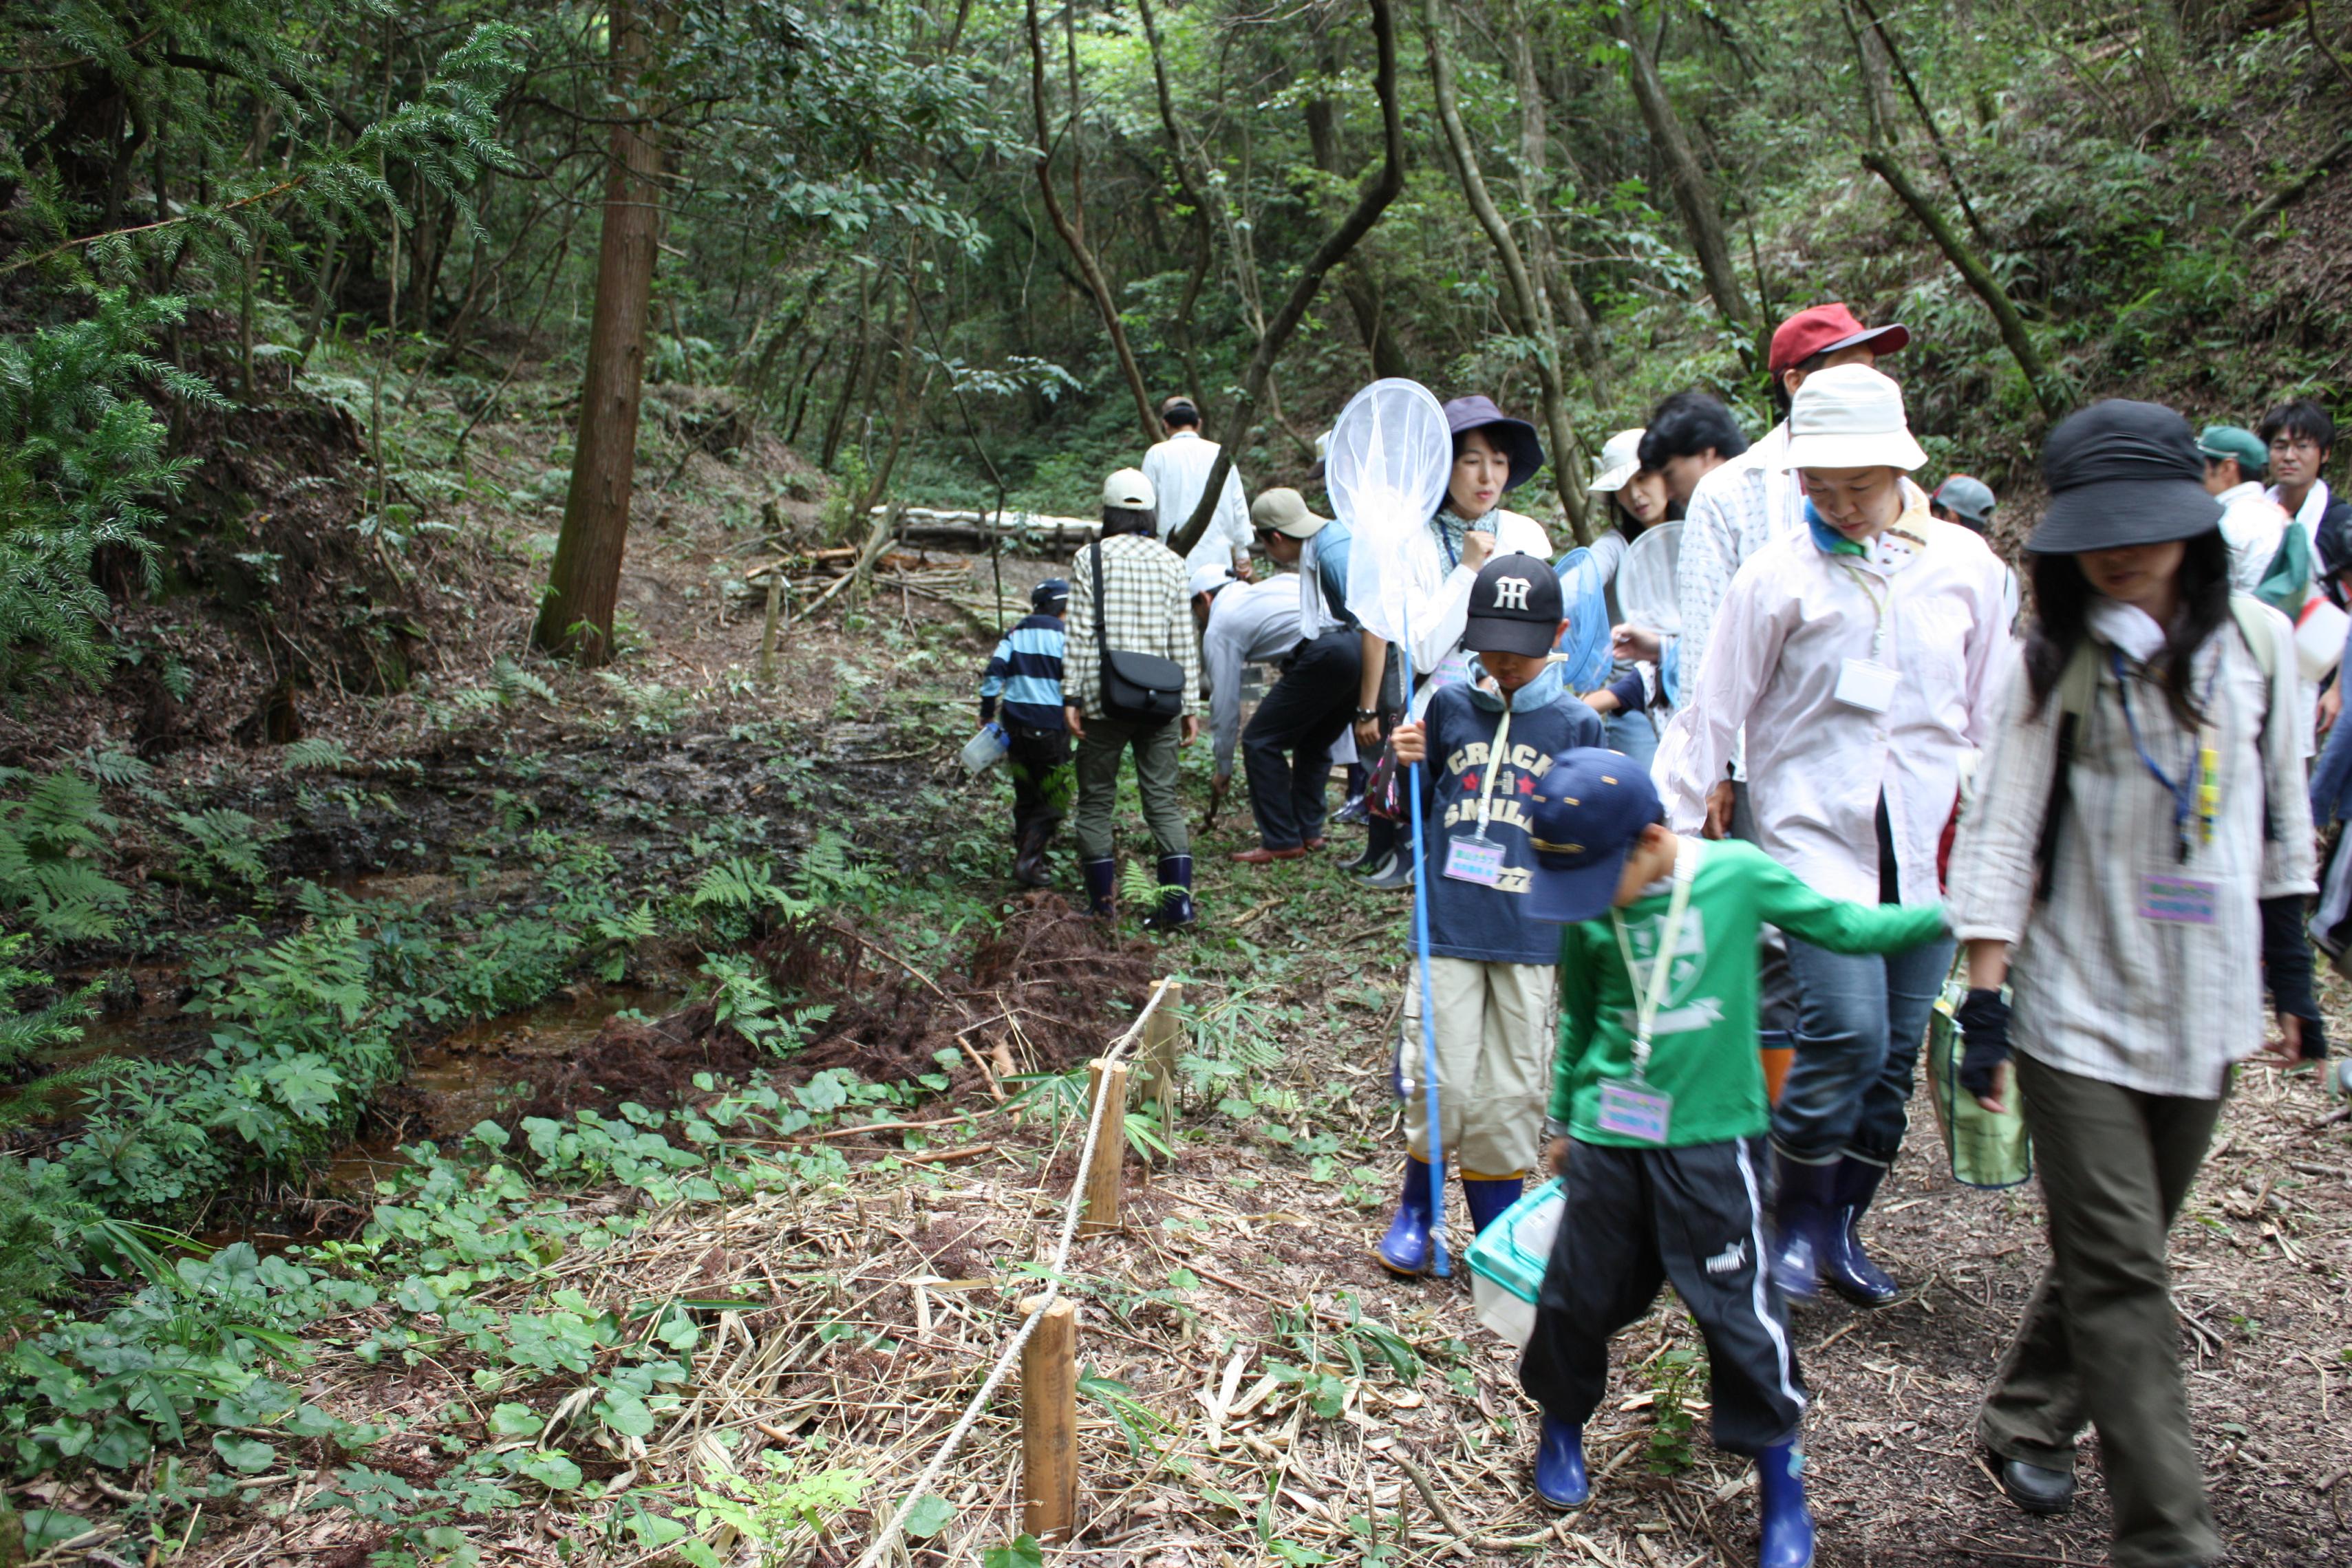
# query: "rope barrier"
[891,1528]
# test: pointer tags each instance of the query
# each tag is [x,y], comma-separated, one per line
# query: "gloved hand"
[1984,1030]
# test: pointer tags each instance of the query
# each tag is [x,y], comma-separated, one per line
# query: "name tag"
[2176,900]
[1630,1111]
[1867,684]
[1474,859]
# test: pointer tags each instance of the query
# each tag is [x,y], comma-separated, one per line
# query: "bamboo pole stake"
[1107,1089]
[1162,1034]
[768,637]
[1049,1425]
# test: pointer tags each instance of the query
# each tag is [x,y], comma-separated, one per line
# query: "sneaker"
[1394,874]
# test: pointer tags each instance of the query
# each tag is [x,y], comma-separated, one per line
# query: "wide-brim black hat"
[2122,473]
[1516,436]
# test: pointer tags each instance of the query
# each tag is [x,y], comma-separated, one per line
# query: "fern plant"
[225,847]
[49,841]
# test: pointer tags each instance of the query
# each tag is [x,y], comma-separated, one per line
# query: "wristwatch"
[1366,715]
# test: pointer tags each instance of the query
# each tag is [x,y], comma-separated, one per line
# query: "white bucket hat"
[1850,417]
[1620,460]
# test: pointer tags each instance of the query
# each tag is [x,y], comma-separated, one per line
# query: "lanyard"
[1662,961]
[2197,797]
[1494,752]
[1881,595]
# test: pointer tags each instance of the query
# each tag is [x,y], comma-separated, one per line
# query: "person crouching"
[1488,743]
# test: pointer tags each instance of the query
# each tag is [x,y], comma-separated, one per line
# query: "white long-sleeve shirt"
[2158,1006]
[2254,526]
[1249,622]
[1440,603]
[1817,766]
[1736,509]
[1178,471]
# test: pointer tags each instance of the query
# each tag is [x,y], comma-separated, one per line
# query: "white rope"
[891,1528]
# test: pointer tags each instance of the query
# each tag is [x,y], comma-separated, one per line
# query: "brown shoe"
[1316,846]
[1263,856]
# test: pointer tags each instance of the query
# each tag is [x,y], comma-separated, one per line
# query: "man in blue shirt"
[1026,674]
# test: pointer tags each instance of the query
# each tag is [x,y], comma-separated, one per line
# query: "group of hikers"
[1772,827]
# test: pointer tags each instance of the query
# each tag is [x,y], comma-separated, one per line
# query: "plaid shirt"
[1145,612]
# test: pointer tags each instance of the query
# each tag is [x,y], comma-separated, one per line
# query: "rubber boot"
[1102,882]
[1801,1223]
[1405,1248]
[1844,1267]
[1780,1506]
[1029,868]
[1488,1197]
[1175,907]
[1560,1464]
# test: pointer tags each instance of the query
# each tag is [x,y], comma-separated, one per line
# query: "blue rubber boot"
[1405,1248]
[1102,882]
[1800,1218]
[1175,908]
[1781,1503]
[1560,1464]
[1488,1197]
[1844,1267]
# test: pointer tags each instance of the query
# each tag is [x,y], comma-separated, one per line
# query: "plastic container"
[1508,1259]
[2319,638]
[986,750]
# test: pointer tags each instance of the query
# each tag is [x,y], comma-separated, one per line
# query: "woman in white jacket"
[1493,455]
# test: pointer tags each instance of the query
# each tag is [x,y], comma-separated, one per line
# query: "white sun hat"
[1128,488]
[1620,460]
[1850,417]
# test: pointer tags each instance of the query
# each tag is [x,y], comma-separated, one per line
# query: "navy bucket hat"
[2122,473]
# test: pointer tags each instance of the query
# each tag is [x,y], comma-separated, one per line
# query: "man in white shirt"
[2236,464]
[1178,471]
[2301,438]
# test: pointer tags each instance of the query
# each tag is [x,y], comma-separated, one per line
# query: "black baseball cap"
[1588,811]
[1515,607]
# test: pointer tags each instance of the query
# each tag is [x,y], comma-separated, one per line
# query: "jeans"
[1286,748]
[1634,734]
[1860,1022]
[1106,742]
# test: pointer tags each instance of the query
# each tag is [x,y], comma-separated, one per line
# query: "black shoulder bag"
[1136,688]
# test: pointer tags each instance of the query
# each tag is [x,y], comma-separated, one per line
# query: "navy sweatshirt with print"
[1469,919]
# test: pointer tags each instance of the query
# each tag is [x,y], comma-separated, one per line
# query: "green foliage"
[49,841]
[1674,1373]
[223,849]
[82,467]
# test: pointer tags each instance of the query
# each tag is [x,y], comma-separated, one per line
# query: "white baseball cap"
[1620,460]
[1128,488]
[1850,417]
[1208,579]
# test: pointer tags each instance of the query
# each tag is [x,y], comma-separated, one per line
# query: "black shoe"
[2036,1488]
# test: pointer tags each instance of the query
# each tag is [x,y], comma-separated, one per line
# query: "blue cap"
[1588,811]
[1047,594]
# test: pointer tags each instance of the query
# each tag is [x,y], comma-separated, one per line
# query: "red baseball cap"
[1824,329]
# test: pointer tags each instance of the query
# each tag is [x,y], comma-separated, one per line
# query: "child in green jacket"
[1658,1114]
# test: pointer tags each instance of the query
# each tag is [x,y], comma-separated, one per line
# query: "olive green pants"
[2100,1344]
[1107,743]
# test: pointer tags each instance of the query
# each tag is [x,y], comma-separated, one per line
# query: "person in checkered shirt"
[1144,610]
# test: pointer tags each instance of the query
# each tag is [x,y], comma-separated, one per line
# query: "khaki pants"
[2100,1344]
[1107,740]
[1498,1025]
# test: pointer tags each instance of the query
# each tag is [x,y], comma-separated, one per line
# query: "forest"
[517,1042]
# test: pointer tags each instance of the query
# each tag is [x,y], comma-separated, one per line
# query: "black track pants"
[1637,1219]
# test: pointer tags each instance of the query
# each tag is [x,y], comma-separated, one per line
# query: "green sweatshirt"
[1703,1046]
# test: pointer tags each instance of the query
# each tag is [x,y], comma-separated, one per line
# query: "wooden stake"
[1164,1033]
[1109,1090]
[1049,1425]
[768,637]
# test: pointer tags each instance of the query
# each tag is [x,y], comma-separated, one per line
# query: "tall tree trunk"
[1070,223]
[1694,192]
[576,615]
[1356,283]
[1203,230]
[1979,277]
[1552,278]
[1533,312]
[1371,202]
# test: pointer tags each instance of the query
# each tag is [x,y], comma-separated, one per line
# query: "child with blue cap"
[1658,1114]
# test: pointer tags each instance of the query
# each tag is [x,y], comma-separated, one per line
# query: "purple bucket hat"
[1516,436]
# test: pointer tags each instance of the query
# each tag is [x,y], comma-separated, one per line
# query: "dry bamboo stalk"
[1156,1065]
[1049,1425]
[1108,1086]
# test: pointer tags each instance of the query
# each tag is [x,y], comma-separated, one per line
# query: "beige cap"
[1128,488]
[1283,510]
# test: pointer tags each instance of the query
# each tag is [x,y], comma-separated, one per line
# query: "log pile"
[1034,531]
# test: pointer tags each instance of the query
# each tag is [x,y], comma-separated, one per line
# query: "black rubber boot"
[1175,895]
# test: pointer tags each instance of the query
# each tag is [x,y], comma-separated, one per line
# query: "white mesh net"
[1385,472]
[1645,580]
